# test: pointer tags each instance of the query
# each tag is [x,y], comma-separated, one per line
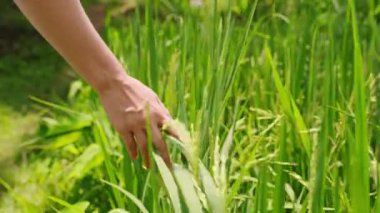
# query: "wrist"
[112,78]
[115,80]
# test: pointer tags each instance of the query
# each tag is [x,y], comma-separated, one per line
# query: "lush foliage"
[280,100]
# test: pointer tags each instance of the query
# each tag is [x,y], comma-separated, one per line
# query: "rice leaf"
[71,208]
[213,194]
[118,211]
[169,182]
[289,106]
[133,198]
[186,185]
[359,156]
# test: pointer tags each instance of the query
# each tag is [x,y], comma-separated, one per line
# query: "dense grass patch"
[279,105]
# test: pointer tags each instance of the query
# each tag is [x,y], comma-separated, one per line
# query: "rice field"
[277,105]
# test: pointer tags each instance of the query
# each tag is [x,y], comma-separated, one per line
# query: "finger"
[131,145]
[140,137]
[161,146]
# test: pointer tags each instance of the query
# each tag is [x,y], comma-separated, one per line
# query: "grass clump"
[277,107]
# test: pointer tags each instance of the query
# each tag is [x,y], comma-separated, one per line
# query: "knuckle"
[122,129]
[135,119]
[141,117]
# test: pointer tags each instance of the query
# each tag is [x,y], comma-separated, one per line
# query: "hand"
[123,97]
[125,102]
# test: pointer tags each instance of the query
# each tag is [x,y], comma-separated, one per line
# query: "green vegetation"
[279,102]
[28,65]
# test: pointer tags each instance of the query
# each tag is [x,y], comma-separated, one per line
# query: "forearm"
[65,25]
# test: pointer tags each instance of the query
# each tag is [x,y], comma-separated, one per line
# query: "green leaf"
[62,140]
[289,105]
[89,159]
[214,196]
[133,198]
[169,182]
[55,106]
[118,211]
[377,10]
[71,208]
[186,185]
[358,183]
[227,144]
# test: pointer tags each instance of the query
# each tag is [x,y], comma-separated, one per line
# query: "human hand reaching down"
[126,103]
[65,25]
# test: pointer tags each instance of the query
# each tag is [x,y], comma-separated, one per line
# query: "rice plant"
[276,106]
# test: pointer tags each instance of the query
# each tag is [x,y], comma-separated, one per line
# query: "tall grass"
[277,103]
[359,162]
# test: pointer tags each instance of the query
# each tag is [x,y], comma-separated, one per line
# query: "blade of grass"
[214,197]
[55,106]
[101,138]
[185,182]
[279,191]
[152,53]
[318,166]
[169,182]
[289,106]
[134,199]
[359,156]
[71,208]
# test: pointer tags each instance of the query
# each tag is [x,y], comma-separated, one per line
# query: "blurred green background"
[30,67]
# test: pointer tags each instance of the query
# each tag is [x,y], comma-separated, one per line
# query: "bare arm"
[65,25]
